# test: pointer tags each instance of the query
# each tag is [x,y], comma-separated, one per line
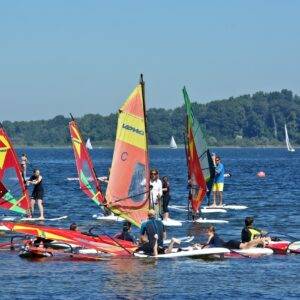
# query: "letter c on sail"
[124,156]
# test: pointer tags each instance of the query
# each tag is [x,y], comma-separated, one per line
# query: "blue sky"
[84,57]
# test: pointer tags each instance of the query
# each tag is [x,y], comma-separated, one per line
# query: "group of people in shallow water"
[153,234]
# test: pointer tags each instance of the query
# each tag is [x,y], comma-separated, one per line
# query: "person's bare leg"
[155,248]
[41,208]
[220,198]
[32,203]
[171,245]
[166,216]
[251,244]
[214,198]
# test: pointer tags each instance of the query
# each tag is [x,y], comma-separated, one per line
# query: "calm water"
[273,201]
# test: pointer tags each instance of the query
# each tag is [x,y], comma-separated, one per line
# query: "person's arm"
[36,181]
[159,192]
[165,189]
[218,169]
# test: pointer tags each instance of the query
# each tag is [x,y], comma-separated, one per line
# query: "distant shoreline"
[157,147]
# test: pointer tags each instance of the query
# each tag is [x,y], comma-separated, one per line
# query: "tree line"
[247,120]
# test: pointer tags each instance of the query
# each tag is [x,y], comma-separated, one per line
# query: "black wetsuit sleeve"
[245,235]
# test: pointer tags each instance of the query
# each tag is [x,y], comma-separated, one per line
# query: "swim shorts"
[218,187]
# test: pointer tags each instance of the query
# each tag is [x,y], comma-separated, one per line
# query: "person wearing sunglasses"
[218,185]
[156,191]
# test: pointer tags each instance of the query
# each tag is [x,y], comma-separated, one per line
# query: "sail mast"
[147,171]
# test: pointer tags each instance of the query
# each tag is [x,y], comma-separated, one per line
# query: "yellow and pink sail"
[127,193]
[13,195]
[88,180]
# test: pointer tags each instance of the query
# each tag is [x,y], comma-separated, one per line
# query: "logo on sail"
[133,129]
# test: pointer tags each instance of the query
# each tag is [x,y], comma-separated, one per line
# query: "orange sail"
[16,196]
[127,192]
[88,180]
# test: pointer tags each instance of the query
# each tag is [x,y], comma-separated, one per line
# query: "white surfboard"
[225,207]
[9,218]
[210,221]
[172,223]
[294,246]
[178,207]
[254,251]
[110,217]
[184,239]
[207,210]
[187,253]
[46,219]
[204,209]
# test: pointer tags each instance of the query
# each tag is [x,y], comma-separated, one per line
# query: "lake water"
[274,202]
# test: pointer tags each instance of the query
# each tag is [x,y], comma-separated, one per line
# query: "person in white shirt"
[155,191]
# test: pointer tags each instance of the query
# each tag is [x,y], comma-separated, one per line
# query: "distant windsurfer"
[165,197]
[215,241]
[249,233]
[38,192]
[24,162]
[125,234]
[156,191]
[218,185]
[153,233]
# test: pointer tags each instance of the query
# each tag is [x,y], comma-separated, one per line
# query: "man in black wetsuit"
[38,192]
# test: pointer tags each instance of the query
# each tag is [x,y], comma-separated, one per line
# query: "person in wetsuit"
[215,241]
[125,234]
[38,192]
[165,197]
[249,233]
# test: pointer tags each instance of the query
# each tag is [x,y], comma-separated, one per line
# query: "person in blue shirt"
[153,234]
[218,185]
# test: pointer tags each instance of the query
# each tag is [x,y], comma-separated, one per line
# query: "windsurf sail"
[103,243]
[16,197]
[127,193]
[173,144]
[287,140]
[88,180]
[201,169]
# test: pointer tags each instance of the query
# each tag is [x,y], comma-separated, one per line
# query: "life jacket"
[254,233]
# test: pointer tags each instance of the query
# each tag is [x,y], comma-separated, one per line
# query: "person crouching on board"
[215,241]
[218,185]
[249,233]
[38,192]
[125,234]
[156,191]
[153,233]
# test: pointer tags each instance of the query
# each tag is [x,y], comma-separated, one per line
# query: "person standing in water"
[165,197]
[24,162]
[218,185]
[38,192]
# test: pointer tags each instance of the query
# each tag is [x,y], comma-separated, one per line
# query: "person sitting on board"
[165,197]
[155,191]
[73,227]
[24,162]
[215,241]
[249,233]
[125,234]
[153,233]
[218,185]
[38,192]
